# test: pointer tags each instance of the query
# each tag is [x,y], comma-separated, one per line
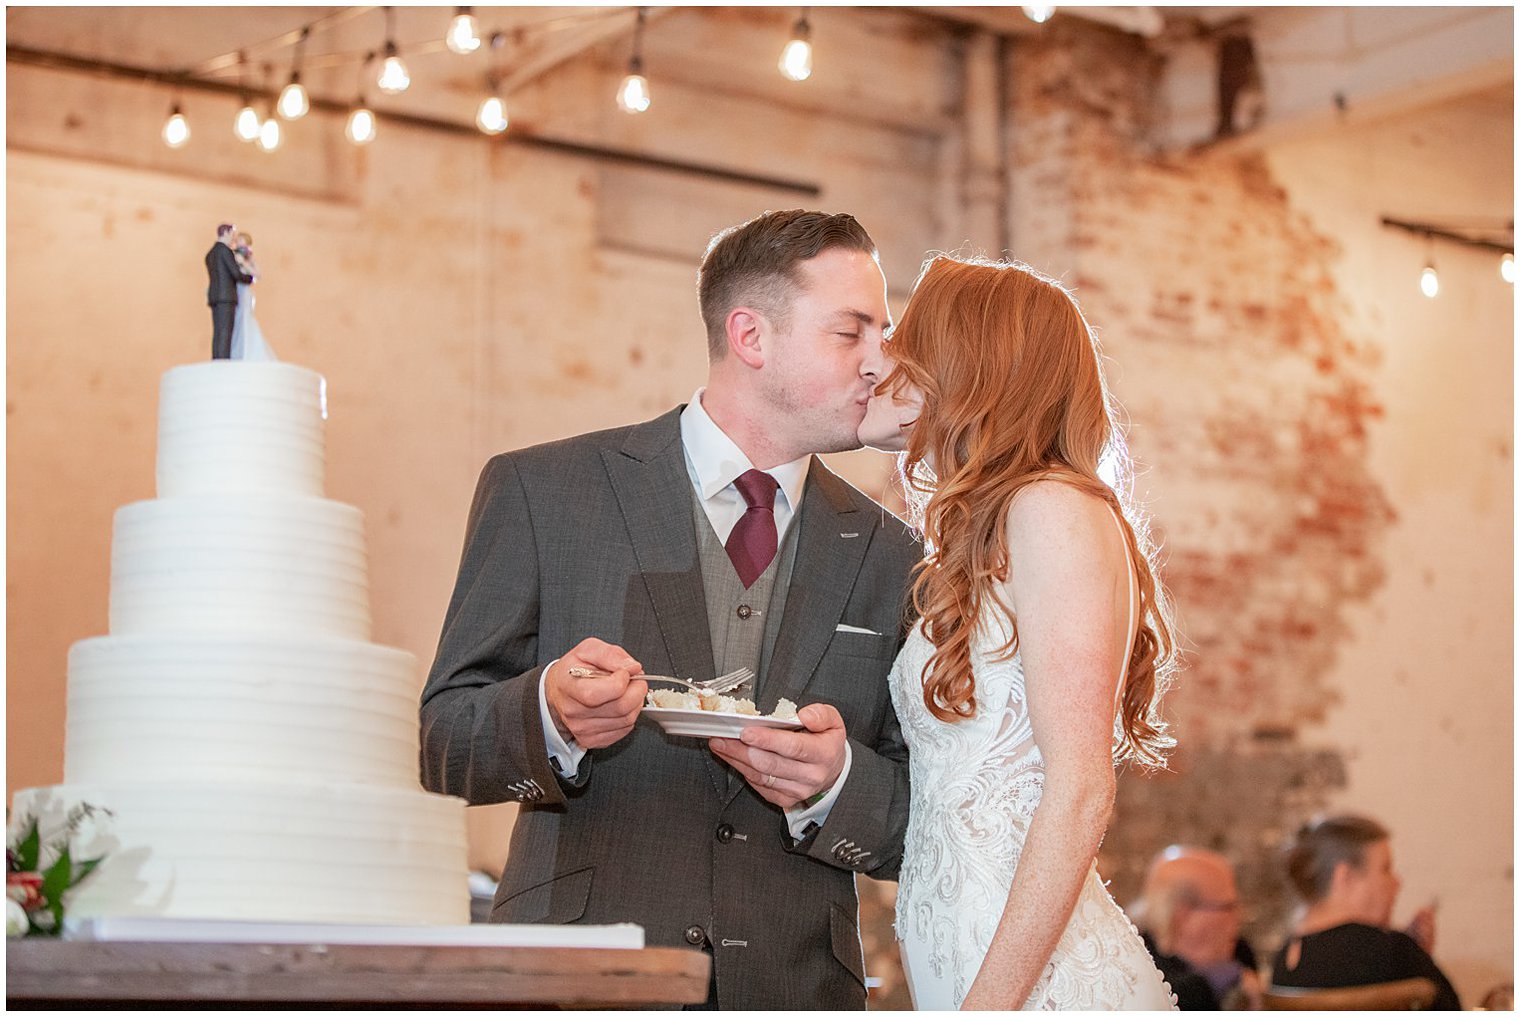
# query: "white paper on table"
[126,929]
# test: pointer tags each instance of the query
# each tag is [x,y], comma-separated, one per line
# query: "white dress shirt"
[714,462]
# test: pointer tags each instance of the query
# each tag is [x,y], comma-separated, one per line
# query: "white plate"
[710,723]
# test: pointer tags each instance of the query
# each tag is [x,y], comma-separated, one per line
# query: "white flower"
[15,919]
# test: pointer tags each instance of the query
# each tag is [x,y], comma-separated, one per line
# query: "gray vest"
[744,623]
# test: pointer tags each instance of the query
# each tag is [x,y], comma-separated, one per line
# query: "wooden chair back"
[1405,994]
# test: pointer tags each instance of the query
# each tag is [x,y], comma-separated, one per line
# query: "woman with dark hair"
[1342,868]
[1043,646]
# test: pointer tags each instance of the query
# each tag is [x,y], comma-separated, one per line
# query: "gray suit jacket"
[593,536]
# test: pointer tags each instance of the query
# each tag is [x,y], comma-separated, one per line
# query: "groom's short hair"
[224,229]
[754,264]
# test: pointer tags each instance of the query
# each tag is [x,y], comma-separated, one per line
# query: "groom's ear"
[746,331]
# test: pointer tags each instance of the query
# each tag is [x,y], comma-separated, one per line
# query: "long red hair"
[1013,393]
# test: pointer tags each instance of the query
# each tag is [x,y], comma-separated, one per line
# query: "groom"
[705,540]
[223,274]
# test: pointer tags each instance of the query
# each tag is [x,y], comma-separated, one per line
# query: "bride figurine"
[1043,646]
[247,338]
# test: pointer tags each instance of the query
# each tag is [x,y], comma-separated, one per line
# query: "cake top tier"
[235,426]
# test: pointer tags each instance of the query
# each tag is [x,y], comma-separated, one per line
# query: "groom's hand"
[596,712]
[789,767]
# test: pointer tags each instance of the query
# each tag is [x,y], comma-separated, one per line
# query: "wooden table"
[44,973]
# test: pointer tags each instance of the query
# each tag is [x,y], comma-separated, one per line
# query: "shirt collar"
[719,462]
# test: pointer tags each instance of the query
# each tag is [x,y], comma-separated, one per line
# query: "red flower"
[25,888]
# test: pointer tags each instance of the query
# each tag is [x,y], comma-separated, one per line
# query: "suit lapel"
[831,545]
[653,490]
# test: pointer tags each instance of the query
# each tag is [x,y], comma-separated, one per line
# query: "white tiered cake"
[258,752]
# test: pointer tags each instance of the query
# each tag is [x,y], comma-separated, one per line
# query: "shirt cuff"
[801,818]
[564,754]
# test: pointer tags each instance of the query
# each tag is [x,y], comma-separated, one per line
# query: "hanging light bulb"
[1039,13]
[796,63]
[361,124]
[491,117]
[246,126]
[293,100]
[633,93]
[270,134]
[1430,283]
[1507,268]
[394,78]
[462,37]
[176,128]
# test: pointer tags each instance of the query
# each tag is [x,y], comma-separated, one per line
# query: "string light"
[394,78]
[360,128]
[492,115]
[293,101]
[361,125]
[796,63]
[1039,13]
[462,37]
[633,93]
[1507,268]
[1430,283]
[271,135]
[246,124]
[176,128]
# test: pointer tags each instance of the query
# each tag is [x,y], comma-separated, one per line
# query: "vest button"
[745,611]
[695,936]
[725,833]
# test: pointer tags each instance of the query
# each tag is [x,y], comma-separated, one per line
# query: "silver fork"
[716,686]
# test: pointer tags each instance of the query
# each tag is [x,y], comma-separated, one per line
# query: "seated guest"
[1190,916]
[1342,867]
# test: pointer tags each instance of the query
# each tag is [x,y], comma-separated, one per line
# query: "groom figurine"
[705,540]
[221,293]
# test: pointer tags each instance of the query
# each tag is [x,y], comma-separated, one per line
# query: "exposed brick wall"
[1249,400]
[1249,405]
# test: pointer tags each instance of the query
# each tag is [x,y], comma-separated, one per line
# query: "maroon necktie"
[752,544]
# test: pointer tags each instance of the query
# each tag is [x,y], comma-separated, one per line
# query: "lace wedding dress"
[247,338]
[975,787]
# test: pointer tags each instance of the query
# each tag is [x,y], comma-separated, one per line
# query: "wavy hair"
[1013,393]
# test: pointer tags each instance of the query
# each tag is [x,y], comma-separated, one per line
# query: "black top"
[1355,954]
[1193,990]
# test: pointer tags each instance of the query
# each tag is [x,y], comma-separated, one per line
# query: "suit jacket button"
[745,611]
[695,936]
[725,833]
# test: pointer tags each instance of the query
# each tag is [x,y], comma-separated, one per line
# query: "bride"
[247,338]
[1043,646]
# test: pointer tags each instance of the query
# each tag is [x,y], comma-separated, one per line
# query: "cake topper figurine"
[247,338]
[224,274]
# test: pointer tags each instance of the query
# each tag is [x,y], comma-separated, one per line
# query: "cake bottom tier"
[264,852]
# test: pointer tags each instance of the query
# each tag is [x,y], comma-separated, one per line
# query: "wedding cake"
[257,752]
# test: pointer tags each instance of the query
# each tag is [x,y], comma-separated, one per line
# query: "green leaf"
[57,878]
[30,847]
[83,869]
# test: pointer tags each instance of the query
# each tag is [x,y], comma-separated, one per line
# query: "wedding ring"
[770,780]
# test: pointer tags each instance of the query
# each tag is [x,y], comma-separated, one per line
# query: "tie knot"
[758,489]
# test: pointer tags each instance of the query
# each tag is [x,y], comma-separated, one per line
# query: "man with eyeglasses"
[1190,913]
